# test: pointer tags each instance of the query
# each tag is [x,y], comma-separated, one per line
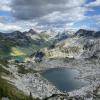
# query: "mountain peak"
[83,32]
[32,31]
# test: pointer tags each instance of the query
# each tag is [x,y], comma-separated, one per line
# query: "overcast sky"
[49,14]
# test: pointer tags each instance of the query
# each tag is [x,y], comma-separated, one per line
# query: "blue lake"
[64,79]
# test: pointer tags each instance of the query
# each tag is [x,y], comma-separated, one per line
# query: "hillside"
[78,46]
[24,55]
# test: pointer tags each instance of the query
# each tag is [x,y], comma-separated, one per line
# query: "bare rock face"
[85,33]
[32,31]
[96,93]
[66,97]
[86,44]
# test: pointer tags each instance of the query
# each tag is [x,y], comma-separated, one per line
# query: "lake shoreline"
[89,71]
[41,87]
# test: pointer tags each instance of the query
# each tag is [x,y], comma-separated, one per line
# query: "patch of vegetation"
[3,71]
[4,62]
[22,70]
[9,91]
[74,49]
[17,52]
[44,36]
[68,59]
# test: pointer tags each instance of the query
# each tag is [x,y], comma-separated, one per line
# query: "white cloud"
[10,27]
[30,9]
[93,4]
[50,13]
[45,14]
[5,5]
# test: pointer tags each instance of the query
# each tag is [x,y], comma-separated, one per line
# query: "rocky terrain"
[24,55]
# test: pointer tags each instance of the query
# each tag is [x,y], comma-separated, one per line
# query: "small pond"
[64,79]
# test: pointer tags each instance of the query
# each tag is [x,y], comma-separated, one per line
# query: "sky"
[49,14]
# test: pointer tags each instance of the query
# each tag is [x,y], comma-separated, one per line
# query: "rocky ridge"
[81,52]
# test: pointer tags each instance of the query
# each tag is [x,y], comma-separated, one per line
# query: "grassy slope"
[10,48]
[8,90]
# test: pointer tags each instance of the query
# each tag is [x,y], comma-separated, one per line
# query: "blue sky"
[49,14]
[95,12]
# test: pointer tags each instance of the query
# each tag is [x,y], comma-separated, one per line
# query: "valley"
[24,56]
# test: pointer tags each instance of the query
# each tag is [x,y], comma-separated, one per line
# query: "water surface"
[64,79]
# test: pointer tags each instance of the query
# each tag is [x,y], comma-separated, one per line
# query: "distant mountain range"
[24,55]
[83,42]
[88,33]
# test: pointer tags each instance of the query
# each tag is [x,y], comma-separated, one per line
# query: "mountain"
[27,43]
[84,44]
[21,43]
[24,55]
[61,36]
[87,33]
[30,32]
[97,34]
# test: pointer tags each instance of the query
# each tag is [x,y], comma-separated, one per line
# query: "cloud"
[5,5]
[97,19]
[45,14]
[93,23]
[26,25]
[94,3]
[30,9]
[10,27]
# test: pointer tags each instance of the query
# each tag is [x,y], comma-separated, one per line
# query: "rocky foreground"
[39,87]
[80,51]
